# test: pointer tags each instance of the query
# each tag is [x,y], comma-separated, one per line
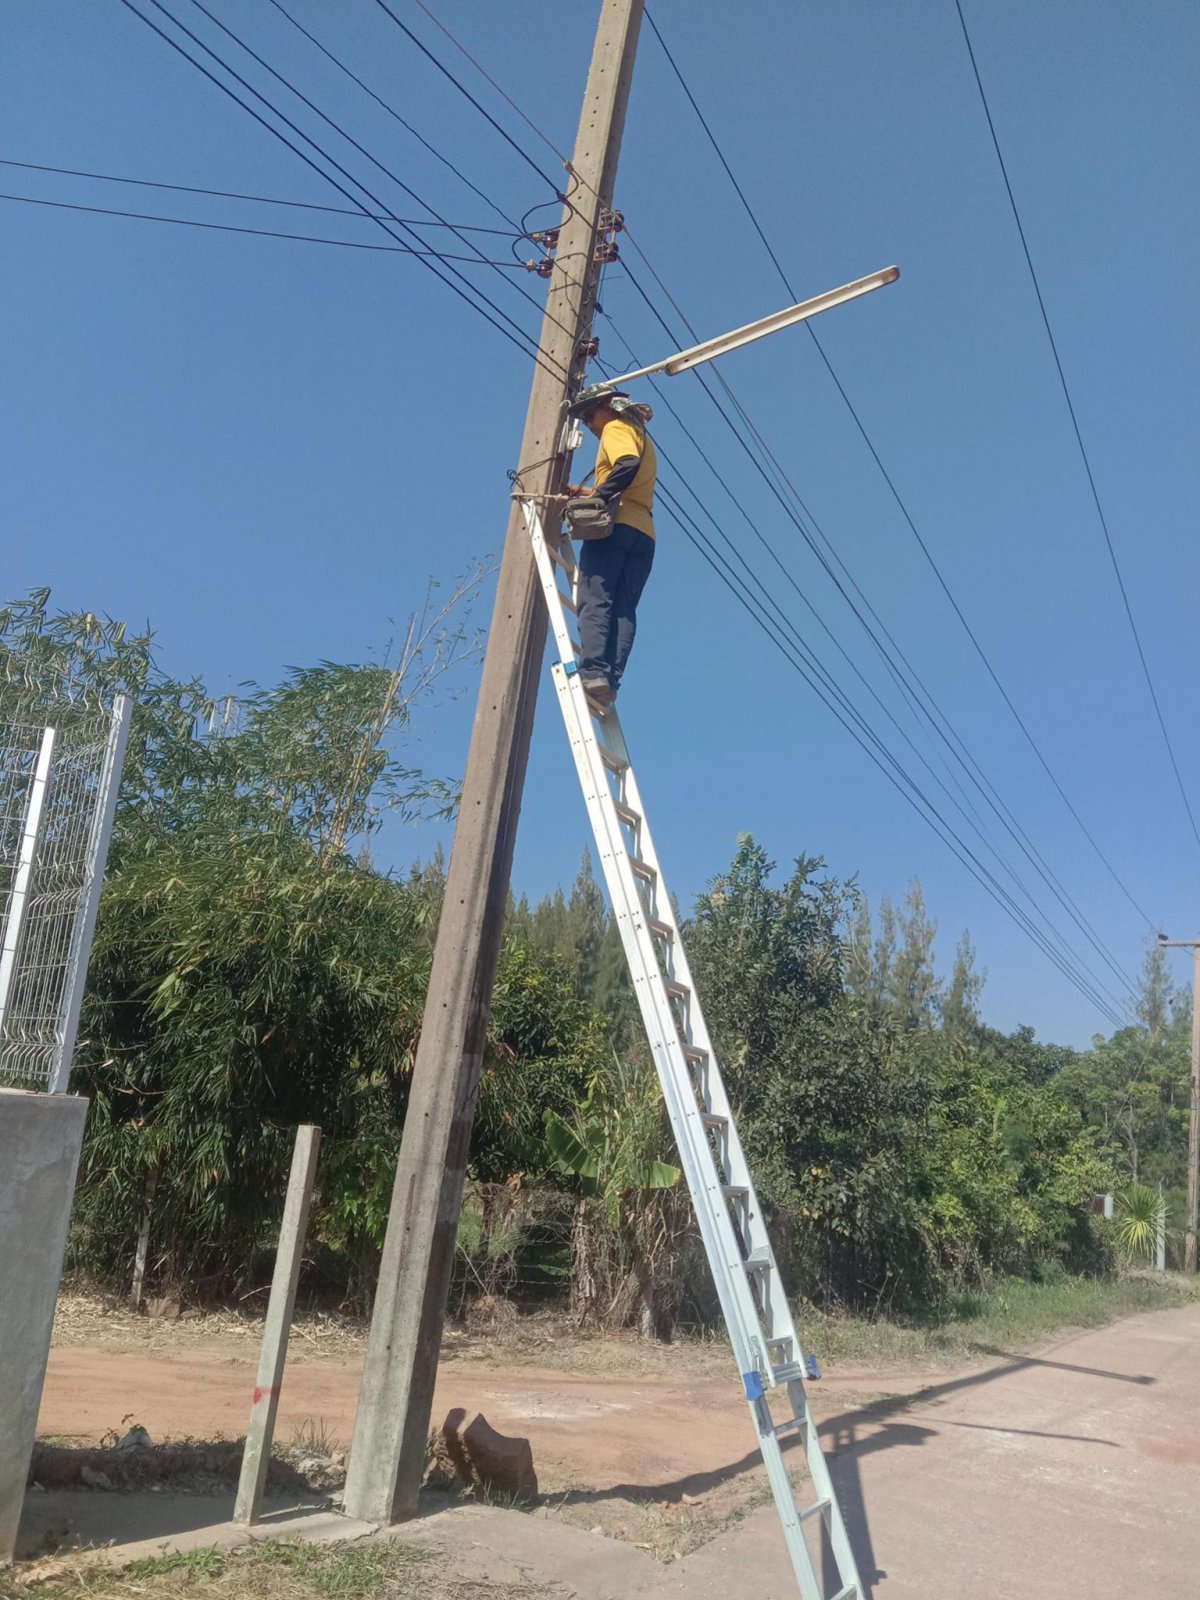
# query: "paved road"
[1074,1476]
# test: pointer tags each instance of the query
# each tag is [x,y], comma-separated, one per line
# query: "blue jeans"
[612,575]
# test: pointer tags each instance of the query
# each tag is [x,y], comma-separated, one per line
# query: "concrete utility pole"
[387,1456]
[1193,1187]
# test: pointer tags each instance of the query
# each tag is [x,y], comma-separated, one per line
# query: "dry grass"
[547,1341]
[673,1528]
[85,1316]
[275,1570]
[1011,1315]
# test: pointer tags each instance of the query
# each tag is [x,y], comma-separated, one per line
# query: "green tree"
[579,930]
[248,973]
[831,1106]
[1009,1171]
[958,1004]
[912,994]
[896,974]
[1155,992]
[546,1045]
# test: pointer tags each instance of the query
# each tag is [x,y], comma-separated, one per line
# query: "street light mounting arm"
[710,349]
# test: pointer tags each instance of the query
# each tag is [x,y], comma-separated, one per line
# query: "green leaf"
[568,1150]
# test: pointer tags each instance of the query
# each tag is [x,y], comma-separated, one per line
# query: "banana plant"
[609,1148]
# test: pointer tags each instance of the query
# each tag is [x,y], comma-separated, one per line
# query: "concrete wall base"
[40,1139]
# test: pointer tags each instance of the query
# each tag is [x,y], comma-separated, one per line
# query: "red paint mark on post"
[265,1394]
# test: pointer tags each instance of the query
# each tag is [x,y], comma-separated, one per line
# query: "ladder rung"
[677,991]
[814,1510]
[642,871]
[568,602]
[757,1264]
[789,1372]
[850,1592]
[714,1119]
[735,1191]
[660,930]
[792,1423]
[694,1054]
[627,813]
[613,762]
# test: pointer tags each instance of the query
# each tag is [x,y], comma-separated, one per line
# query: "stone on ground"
[491,1464]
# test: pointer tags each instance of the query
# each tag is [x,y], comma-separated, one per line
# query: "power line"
[1018,835]
[445,71]
[275,109]
[828,690]
[507,98]
[891,485]
[262,199]
[522,340]
[864,736]
[773,603]
[550,144]
[350,139]
[261,233]
[518,228]
[1087,465]
[391,110]
[1040,864]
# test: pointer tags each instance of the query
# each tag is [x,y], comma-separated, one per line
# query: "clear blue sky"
[266,448]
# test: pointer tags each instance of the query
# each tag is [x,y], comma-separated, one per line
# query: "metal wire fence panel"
[57,788]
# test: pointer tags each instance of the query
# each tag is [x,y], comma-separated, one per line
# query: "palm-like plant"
[1139,1217]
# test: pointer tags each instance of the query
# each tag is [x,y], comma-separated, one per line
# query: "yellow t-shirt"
[618,440]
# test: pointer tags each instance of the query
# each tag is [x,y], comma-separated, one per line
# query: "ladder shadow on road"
[1020,1363]
[846,1443]
[850,1436]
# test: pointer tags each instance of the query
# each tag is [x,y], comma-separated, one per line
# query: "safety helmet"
[599,394]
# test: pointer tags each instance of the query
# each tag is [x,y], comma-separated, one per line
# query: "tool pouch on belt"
[588,517]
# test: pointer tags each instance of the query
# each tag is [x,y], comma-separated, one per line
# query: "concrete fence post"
[261,1432]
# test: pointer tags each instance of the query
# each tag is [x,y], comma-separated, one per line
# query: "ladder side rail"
[545,565]
[822,1482]
[570,565]
[719,1235]
[757,1240]
[783,1326]
[701,1172]
[684,1114]
[791,1519]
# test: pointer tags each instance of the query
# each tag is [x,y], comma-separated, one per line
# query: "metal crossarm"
[755,1308]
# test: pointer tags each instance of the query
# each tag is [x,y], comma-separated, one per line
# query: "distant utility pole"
[1193,1189]
[387,1457]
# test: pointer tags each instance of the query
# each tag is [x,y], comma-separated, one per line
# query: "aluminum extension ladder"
[753,1303]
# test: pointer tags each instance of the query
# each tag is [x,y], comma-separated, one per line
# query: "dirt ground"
[632,1440]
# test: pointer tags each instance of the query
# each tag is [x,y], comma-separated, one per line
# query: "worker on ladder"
[613,564]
